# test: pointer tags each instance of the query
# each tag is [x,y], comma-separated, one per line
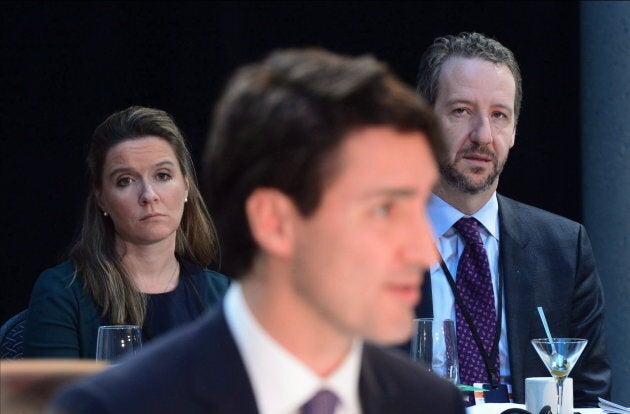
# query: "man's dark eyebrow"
[391,193]
[458,101]
[467,102]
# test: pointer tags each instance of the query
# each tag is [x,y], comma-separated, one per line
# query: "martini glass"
[559,356]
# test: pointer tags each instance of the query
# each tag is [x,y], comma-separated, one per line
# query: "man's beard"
[463,182]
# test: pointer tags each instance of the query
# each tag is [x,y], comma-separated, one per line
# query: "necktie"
[474,285]
[324,402]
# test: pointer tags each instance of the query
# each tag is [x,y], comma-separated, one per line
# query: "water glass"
[434,344]
[117,341]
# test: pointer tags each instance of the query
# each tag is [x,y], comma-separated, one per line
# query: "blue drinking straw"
[544,322]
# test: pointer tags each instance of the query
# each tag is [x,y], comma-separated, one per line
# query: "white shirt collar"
[281,382]
[443,216]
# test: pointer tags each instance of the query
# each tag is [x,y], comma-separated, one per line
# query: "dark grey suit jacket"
[547,261]
[198,369]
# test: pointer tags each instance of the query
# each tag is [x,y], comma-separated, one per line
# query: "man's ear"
[270,214]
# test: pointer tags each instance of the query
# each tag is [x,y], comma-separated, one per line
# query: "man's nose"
[482,130]
[420,247]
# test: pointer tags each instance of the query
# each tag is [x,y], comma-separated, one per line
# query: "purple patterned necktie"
[474,285]
[324,402]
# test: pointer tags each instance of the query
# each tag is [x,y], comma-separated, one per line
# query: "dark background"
[66,66]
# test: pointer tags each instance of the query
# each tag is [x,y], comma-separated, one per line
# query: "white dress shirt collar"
[443,216]
[281,382]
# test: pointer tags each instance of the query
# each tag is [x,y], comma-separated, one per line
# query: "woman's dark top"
[63,320]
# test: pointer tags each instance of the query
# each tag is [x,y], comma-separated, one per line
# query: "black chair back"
[12,336]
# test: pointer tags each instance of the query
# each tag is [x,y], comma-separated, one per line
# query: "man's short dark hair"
[278,124]
[467,45]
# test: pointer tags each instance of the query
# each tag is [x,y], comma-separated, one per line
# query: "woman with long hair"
[145,245]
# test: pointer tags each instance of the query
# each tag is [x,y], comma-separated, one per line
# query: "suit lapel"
[375,394]
[515,265]
[222,383]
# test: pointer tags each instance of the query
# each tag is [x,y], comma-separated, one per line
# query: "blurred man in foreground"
[317,172]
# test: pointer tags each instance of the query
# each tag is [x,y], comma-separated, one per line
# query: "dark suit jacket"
[547,261]
[198,369]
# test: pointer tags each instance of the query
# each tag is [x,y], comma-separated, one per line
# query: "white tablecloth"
[498,408]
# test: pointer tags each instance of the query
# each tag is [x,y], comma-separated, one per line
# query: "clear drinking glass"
[559,356]
[434,344]
[117,341]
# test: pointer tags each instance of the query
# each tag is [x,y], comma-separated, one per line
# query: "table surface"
[498,408]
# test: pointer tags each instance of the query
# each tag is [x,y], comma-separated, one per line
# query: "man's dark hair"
[467,45]
[278,124]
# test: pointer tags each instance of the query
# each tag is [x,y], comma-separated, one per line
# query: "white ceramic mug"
[541,391]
